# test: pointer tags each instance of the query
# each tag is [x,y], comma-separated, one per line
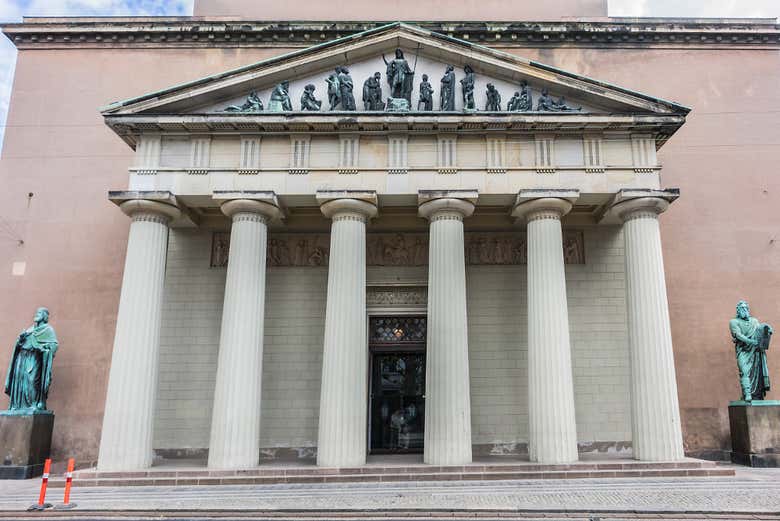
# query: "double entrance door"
[396,416]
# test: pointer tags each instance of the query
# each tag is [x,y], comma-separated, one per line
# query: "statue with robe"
[521,101]
[399,76]
[280,98]
[467,85]
[253,103]
[29,373]
[751,340]
[548,104]
[447,93]
[334,91]
[345,89]
[372,93]
[308,101]
[425,102]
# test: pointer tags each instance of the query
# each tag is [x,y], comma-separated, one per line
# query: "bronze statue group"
[399,76]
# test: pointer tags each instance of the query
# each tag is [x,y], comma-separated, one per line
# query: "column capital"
[543,204]
[262,203]
[160,206]
[438,204]
[354,204]
[632,203]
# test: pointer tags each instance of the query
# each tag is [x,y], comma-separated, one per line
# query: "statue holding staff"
[399,76]
[29,373]
[751,340]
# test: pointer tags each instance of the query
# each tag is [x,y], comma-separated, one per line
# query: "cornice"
[188,32]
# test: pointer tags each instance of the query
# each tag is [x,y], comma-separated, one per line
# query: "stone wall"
[295,317]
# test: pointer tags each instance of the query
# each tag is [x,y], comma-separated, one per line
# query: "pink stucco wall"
[719,238]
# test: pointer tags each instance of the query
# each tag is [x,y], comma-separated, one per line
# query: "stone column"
[126,439]
[553,428]
[344,393]
[235,421]
[447,391]
[655,411]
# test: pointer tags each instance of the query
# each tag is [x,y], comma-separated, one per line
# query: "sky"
[13,10]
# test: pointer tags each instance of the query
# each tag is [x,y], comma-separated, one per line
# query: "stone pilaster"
[553,427]
[235,421]
[447,390]
[126,439]
[655,410]
[344,392]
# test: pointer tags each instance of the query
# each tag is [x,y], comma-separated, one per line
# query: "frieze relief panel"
[399,249]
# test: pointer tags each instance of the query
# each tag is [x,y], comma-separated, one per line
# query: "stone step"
[391,474]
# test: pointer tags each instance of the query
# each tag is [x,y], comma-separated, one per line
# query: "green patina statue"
[280,98]
[29,373]
[751,340]
[253,103]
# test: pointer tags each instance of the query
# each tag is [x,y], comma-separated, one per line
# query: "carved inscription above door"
[399,249]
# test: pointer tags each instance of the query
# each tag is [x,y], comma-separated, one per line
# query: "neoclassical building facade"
[400,219]
[454,276]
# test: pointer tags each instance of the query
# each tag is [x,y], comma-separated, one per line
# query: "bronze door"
[397,384]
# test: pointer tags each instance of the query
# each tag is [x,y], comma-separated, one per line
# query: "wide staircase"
[168,475]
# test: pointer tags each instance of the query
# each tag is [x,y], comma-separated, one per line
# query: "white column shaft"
[656,417]
[447,390]
[126,439]
[553,428]
[343,399]
[235,423]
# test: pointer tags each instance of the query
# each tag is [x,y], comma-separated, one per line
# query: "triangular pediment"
[426,52]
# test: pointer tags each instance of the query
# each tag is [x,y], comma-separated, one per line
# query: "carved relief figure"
[426,95]
[751,340]
[572,251]
[467,85]
[308,101]
[334,91]
[447,93]
[372,93]
[345,90]
[493,103]
[280,98]
[29,372]
[521,101]
[548,104]
[399,76]
[253,103]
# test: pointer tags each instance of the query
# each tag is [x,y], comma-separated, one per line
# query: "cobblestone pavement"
[751,491]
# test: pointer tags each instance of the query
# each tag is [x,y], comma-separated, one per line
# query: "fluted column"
[235,421]
[553,427]
[447,390]
[655,411]
[126,439]
[344,393]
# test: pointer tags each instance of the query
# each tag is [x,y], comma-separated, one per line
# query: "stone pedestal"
[755,433]
[25,442]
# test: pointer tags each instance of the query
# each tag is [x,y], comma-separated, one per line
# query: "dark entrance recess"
[396,415]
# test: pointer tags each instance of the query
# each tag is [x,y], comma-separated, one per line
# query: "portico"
[528,243]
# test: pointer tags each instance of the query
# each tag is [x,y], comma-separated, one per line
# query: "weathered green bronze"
[548,104]
[280,98]
[29,373]
[751,340]
[372,93]
[426,95]
[308,101]
[334,92]
[399,76]
[493,103]
[467,85]
[521,101]
[253,103]
[345,89]
[447,94]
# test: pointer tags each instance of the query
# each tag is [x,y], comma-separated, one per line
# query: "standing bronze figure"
[447,93]
[372,93]
[493,103]
[751,340]
[345,90]
[399,76]
[334,92]
[29,373]
[425,102]
[467,84]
